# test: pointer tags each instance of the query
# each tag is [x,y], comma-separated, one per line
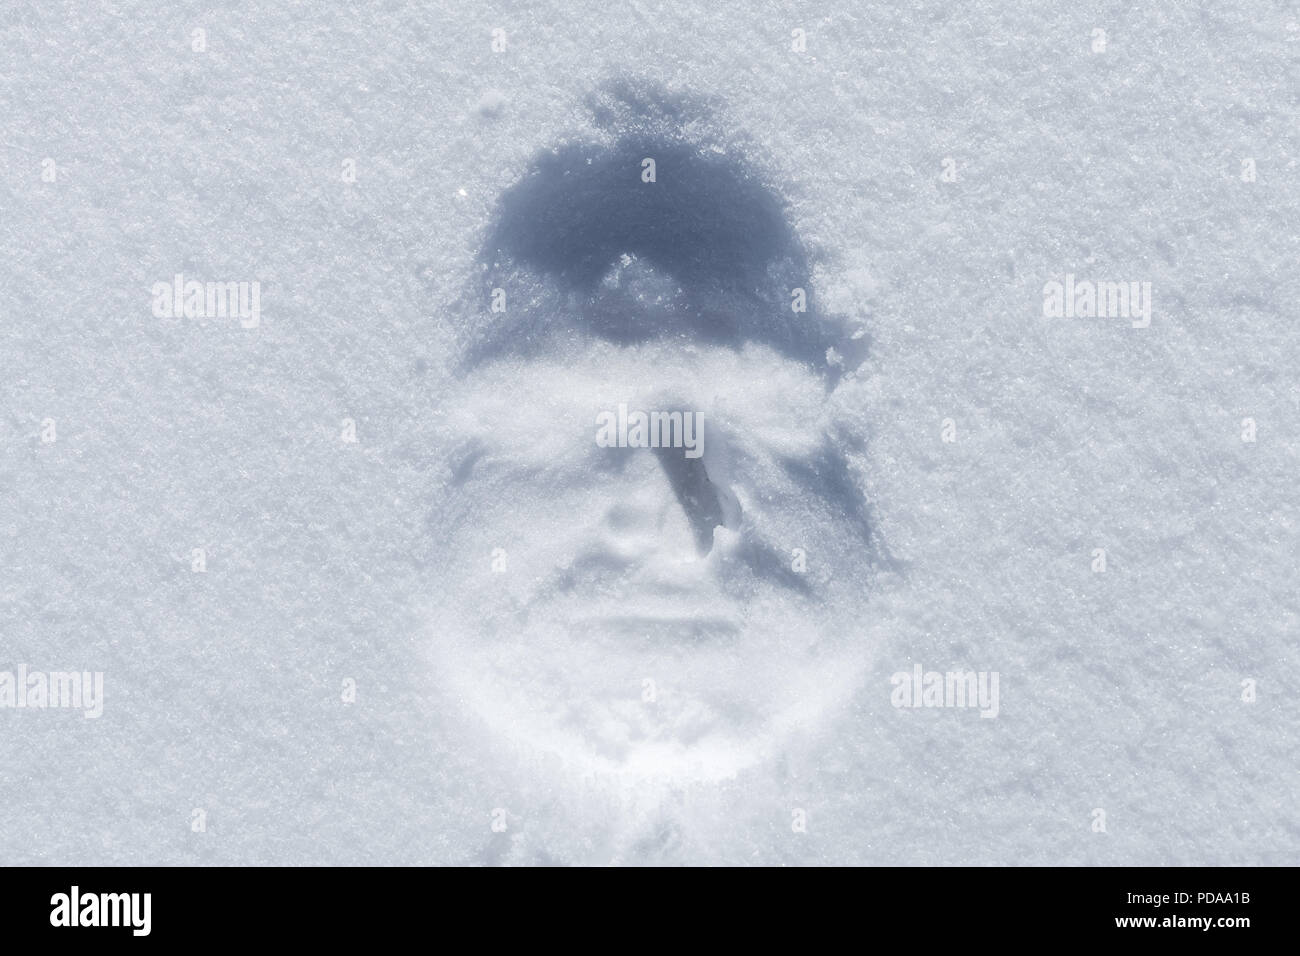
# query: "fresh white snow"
[329,561]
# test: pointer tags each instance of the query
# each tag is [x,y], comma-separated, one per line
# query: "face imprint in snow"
[631,610]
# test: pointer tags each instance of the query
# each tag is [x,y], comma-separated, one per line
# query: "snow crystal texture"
[379,168]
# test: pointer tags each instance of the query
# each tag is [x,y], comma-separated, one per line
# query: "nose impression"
[695,493]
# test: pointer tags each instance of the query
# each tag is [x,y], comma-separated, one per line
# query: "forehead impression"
[754,393]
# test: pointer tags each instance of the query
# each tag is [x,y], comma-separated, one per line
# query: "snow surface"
[329,561]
